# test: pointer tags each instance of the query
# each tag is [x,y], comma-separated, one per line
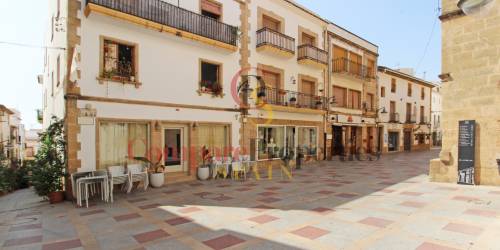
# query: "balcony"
[272,41]
[165,17]
[411,119]
[39,115]
[393,117]
[346,66]
[423,120]
[311,55]
[291,99]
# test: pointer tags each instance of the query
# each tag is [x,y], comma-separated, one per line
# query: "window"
[122,142]
[409,89]
[119,61]
[422,93]
[271,23]
[271,141]
[308,39]
[339,59]
[308,140]
[340,95]
[211,9]
[52,83]
[382,92]
[355,63]
[371,68]
[58,70]
[369,102]
[215,138]
[393,85]
[422,114]
[355,100]
[210,78]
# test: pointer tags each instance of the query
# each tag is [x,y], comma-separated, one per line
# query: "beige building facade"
[406,101]
[470,89]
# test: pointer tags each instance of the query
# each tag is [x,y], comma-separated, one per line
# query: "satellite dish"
[474,7]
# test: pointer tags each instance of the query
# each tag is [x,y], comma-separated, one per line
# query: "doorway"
[337,147]
[393,142]
[407,140]
[369,141]
[173,144]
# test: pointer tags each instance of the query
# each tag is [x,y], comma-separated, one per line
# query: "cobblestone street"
[385,204]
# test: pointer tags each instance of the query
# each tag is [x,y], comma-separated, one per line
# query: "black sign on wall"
[466,151]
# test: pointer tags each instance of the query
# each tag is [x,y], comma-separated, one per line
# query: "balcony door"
[308,39]
[392,111]
[273,87]
[308,92]
[408,112]
[339,59]
[271,23]
[355,63]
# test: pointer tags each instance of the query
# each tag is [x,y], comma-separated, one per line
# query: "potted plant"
[156,171]
[50,163]
[293,101]
[216,89]
[204,169]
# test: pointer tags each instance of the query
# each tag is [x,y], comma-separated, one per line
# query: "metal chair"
[237,169]
[117,176]
[137,173]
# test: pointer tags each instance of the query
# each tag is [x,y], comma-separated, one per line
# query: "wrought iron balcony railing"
[344,65]
[266,36]
[161,12]
[411,118]
[288,98]
[307,51]
[423,120]
[394,117]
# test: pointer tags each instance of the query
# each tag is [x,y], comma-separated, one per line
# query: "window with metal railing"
[266,36]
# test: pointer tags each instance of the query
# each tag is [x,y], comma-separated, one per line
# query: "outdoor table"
[103,180]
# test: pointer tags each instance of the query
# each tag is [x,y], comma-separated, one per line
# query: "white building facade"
[436,116]
[407,102]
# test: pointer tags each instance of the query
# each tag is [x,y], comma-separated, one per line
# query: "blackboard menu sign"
[466,151]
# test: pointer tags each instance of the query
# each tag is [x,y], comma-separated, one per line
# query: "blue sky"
[401,29]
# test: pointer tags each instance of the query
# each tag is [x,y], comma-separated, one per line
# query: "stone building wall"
[471,55]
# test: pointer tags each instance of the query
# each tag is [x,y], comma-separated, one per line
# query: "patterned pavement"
[387,204]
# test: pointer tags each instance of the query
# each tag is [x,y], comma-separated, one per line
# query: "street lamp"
[471,6]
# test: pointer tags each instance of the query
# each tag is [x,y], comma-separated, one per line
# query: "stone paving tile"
[25,227]
[376,222]
[310,232]
[262,219]
[63,245]
[178,221]
[463,229]
[433,246]
[150,236]
[22,241]
[223,242]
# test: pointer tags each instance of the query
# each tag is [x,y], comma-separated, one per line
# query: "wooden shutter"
[356,60]
[355,99]
[270,23]
[340,96]
[307,39]
[271,79]
[211,7]
[308,87]
[369,101]
[392,109]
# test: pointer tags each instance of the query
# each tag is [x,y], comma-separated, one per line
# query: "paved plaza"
[385,204]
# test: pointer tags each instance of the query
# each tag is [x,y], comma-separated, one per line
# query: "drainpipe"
[326,87]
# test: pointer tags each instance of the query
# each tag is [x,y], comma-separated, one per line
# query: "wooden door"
[273,86]
[308,39]
[271,23]
[307,94]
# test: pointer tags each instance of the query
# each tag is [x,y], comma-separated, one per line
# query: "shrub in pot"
[156,171]
[204,169]
[49,168]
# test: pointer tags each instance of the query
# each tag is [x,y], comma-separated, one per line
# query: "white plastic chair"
[227,162]
[137,173]
[117,176]
[217,164]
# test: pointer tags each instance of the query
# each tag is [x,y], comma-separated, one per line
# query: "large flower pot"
[157,179]
[203,173]
[56,197]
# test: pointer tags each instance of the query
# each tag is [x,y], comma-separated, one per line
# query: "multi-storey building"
[169,78]
[436,114]
[406,101]
[11,134]
[32,143]
[470,91]
[288,51]
[353,84]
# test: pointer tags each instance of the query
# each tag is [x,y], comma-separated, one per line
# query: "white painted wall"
[401,97]
[168,66]
[293,18]
[55,37]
